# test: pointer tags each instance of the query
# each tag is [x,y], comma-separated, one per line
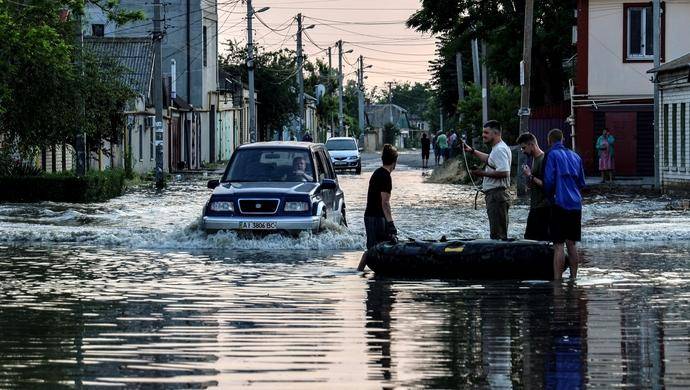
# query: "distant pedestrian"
[605,148]
[378,218]
[496,176]
[564,177]
[540,208]
[307,137]
[437,152]
[426,147]
[292,136]
[452,144]
[442,141]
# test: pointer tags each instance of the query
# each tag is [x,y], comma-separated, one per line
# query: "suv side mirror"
[213,184]
[328,184]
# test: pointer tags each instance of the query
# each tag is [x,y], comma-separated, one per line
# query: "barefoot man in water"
[564,177]
[378,220]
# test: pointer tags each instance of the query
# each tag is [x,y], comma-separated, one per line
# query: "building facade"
[674,122]
[190,70]
[612,88]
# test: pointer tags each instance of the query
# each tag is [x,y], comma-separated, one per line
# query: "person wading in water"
[378,219]
[539,208]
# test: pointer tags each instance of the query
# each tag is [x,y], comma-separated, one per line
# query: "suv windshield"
[341,144]
[275,165]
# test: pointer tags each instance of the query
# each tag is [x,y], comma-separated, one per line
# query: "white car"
[344,153]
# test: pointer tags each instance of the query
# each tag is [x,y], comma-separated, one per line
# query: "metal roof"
[678,63]
[135,54]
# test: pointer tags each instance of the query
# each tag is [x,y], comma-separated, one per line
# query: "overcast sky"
[373,29]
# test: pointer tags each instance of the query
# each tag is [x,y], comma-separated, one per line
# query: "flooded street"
[130,293]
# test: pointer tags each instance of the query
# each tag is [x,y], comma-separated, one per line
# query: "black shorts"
[538,222]
[565,225]
[425,154]
[376,230]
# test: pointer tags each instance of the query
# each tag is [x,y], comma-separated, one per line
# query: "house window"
[205,47]
[666,146]
[682,134]
[98,30]
[639,32]
[674,140]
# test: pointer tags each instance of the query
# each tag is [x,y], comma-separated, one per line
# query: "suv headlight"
[222,206]
[296,206]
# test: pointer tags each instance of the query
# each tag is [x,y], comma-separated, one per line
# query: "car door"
[326,172]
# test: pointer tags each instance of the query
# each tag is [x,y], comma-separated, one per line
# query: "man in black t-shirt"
[378,220]
[540,210]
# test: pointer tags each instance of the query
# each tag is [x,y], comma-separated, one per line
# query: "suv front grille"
[259,206]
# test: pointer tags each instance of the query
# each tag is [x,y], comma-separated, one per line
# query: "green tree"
[500,24]
[503,102]
[275,80]
[40,85]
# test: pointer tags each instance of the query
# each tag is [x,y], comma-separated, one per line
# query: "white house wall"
[677,171]
[608,74]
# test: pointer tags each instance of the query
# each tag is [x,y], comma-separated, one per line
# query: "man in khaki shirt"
[496,176]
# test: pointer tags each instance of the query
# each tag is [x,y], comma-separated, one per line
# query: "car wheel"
[359,170]
[343,219]
[321,223]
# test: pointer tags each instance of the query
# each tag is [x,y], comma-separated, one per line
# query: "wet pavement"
[130,293]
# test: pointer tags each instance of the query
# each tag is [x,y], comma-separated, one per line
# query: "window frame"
[100,27]
[626,11]
[204,34]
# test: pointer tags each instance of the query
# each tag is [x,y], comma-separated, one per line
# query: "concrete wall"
[675,145]
[608,74]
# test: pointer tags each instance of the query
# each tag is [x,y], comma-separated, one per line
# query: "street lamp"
[256,11]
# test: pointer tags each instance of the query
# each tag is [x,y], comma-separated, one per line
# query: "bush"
[63,187]
[390,133]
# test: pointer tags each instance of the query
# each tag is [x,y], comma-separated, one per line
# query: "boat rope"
[467,167]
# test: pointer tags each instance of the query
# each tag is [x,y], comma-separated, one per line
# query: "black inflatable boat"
[464,259]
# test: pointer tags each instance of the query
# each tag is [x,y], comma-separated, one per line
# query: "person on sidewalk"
[442,141]
[378,219]
[605,149]
[452,144]
[426,148]
[539,209]
[434,144]
[496,176]
[564,177]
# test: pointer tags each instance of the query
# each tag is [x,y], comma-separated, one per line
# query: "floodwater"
[130,294]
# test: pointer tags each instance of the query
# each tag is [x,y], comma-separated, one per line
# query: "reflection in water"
[496,336]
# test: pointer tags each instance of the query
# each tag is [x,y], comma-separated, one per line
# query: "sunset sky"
[373,29]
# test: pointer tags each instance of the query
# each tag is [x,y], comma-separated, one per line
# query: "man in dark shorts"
[426,148]
[539,209]
[378,220]
[564,177]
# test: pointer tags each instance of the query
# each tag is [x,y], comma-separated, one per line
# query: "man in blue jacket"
[564,177]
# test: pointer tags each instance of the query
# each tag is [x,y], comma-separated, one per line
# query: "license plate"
[259,225]
[340,163]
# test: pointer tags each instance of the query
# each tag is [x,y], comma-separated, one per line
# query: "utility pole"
[80,141]
[475,62]
[250,71]
[330,64]
[158,91]
[390,100]
[360,95]
[656,24]
[485,85]
[300,79]
[525,67]
[440,117]
[461,82]
[525,72]
[340,86]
